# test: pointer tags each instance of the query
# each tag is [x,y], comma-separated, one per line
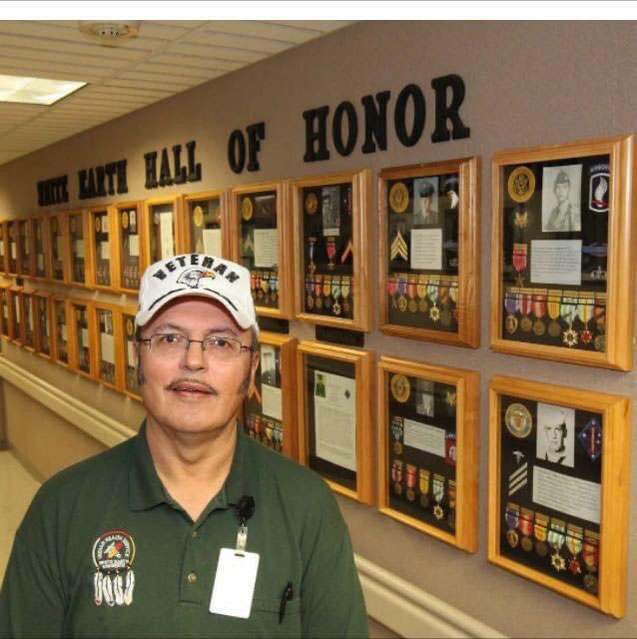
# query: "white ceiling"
[168,57]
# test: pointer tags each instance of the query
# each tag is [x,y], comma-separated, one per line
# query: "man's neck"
[192,466]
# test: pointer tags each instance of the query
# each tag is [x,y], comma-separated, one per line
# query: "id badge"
[233,588]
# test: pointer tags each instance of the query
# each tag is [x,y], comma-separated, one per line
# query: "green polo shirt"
[113,508]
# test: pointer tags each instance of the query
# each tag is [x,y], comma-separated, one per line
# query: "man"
[190,528]
[564,217]
[555,448]
[425,214]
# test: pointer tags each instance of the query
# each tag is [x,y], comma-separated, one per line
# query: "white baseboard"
[392,601]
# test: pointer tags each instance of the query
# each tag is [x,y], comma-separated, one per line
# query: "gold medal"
[246,208]
[398,488]
[445,317]
[539,328]
[311,203]
[98,224]
[526,324]
[124,219]
[521,184]
[129,327]
[197,216]
[402,304]
[422,305]
[399,197]
[400,388]
[413,306]
[411,495]
[518,420]
[554,329]
[511,324]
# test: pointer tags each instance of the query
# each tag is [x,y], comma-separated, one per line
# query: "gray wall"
[527,84]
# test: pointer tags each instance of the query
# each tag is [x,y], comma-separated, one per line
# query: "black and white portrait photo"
[555,434]
[426,201]
[425,397]
[268,365]
[561,198]
[331,210]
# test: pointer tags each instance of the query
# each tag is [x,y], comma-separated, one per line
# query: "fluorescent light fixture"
[35,90]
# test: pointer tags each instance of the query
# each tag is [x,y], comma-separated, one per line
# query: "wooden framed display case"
[79,264]
[129,240]
[25,300]
[335,390]
[269,413]
[41,247]
[4,311]
[162,229]
[332,249]
[562,263]
[260,240]
[15,315]
[559,488]
[108,340]
[128,361]
[26,248]
[4,247]
[12,245]
[101,223]
[205,220]
[82,334]
[429,246]
[58,253]
[62,344]
[43,311]
[428,470]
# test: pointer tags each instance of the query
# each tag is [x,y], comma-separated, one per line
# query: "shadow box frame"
[615,487]
[364,374]
[30,248]
[117,250]
[4,241]
[284,232]
[13,224]
[175,201]
[70,254]
[72,332]
[117,344]
[121,347]
[12,297]
[621,257]
[70,346]
[224,196]
[287,344]
[22,297]
[92,247]
[467,385]
[361,182]
[4,311]
[469,250]
[46,245]
[60,220]
[38,296]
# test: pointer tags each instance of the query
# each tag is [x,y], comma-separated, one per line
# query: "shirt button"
[195,534]
[192,577]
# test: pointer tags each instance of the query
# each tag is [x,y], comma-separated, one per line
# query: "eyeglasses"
[173,345]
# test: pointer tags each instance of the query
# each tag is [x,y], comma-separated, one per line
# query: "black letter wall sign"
[237,148]
[100,181]
[446,111]
[171,172]
[53,191]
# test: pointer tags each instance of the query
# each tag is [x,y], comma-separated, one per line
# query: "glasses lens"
[170,345]
[222,347]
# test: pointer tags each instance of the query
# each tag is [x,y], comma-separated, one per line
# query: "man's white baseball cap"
[195,274]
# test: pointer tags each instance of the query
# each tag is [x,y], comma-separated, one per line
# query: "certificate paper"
[108,350]
[79,248]
[429,439]
[426,249]
[212,241]
[133,245]
[335,419]
[569,495]
[266,248]
[556,262]
[166,231]
[271,405]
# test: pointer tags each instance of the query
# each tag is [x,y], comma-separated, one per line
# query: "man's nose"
[194,356]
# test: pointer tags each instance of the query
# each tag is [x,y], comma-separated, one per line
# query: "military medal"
[318,291]
[438,493]
[586,314]
[397,476]
[590,555]
[444,299]
[421,290]
[518,420]
[402,289]
[311,203]
[423,487]
[327,291]
[330,248]
[398,247]
[521,184]
[574,545]
[521,218]
[410,481]
[556,539]
[526,323]
[411,293]
[397,432]
[541,532]
[399,197]
[392,287]
[400,387]
[553,306]
[539,310]
[311,267]
[526,528]
[432,294]
[451,497]
[510,321]
[246,208]
[519,261]
[309,289]
[345,291]
[274,287]
[197,216]
[336,292]
[512,517]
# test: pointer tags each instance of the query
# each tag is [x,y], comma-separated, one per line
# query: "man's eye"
[220,343]
[171,339]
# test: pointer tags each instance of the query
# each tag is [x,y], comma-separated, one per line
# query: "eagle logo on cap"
[192,276]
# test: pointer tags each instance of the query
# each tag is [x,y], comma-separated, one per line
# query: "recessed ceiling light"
[35,90]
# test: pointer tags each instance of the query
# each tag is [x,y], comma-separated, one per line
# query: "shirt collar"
[145,489]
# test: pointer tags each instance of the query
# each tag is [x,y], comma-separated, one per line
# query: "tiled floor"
[17,488]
